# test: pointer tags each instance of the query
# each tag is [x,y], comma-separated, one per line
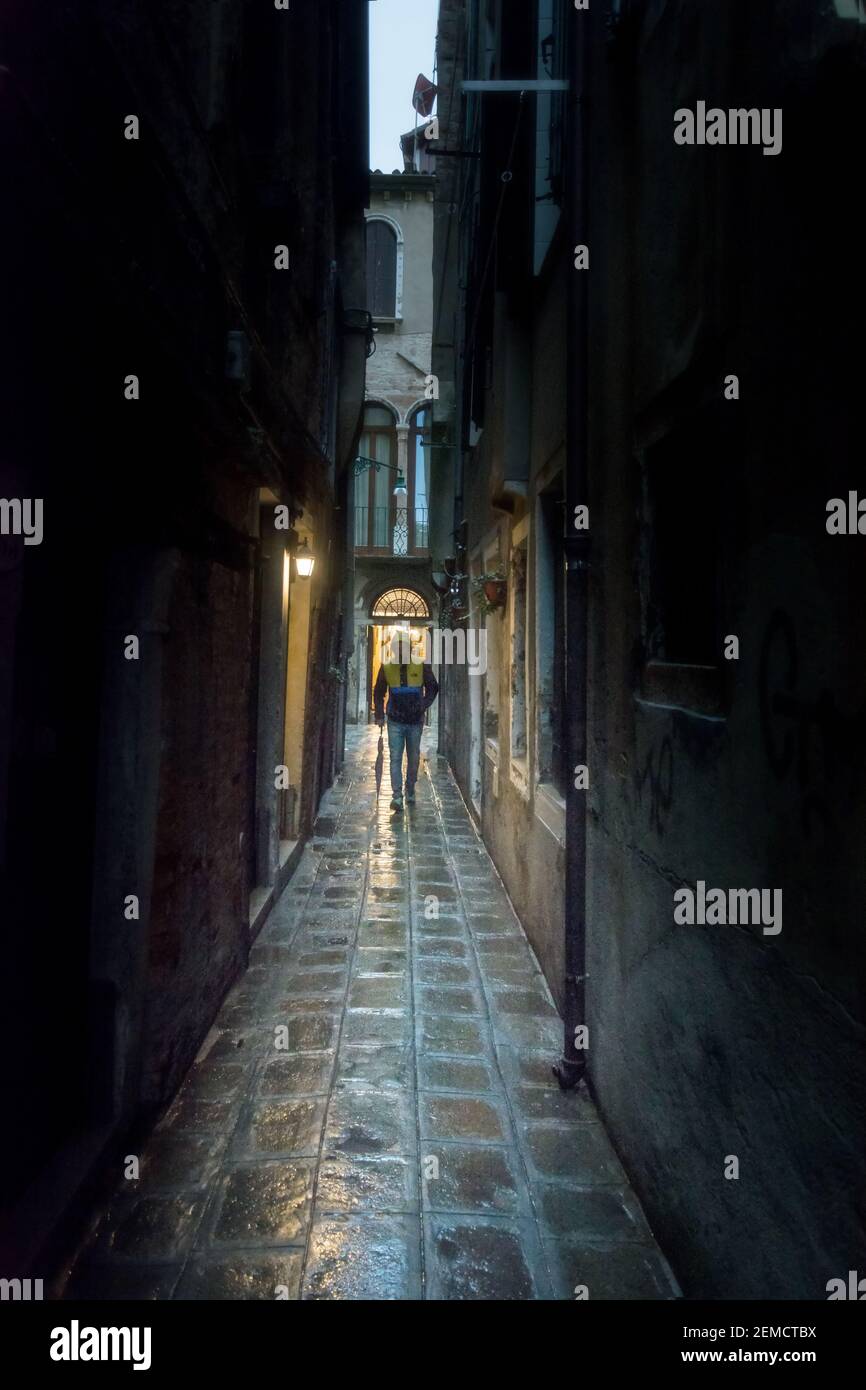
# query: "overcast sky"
[402,44]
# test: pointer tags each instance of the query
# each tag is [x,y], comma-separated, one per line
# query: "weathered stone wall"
[706,1042]
[199,934]
[140,256]
[715,1041]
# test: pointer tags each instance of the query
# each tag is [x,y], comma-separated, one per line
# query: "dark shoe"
[410,798]
[396,803]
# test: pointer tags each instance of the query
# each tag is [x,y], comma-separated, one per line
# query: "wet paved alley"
[373,1115]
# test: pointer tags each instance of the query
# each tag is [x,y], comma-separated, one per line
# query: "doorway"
[379,639]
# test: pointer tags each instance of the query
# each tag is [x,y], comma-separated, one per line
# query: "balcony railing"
[392,531]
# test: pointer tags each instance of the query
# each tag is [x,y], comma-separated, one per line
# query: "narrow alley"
[483,378]
[373,1115]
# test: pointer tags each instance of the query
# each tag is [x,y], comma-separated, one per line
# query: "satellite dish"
[424,95]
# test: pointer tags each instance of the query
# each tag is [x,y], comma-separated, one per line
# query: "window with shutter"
[381,270]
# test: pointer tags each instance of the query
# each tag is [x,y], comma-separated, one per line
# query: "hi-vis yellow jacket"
[411,687]
[409,675]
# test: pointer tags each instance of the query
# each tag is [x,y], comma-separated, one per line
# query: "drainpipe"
[572,1064]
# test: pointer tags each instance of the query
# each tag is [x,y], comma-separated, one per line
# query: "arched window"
[384,269]
[419,478]
[374,488]
[396,604]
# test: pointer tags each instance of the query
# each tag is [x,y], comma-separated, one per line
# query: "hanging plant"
[491,591]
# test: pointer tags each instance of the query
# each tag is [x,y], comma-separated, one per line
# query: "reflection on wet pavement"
[373,1115]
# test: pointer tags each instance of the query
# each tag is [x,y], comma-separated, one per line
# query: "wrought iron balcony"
[391,530]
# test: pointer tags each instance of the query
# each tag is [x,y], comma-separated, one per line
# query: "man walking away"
[411,688]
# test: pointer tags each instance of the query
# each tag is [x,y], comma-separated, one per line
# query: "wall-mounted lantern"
[305,560]
[361,465]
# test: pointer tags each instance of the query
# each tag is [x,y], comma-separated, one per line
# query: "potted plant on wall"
[491,591]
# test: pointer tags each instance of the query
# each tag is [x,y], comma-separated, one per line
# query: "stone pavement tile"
[474,1119]
[280,1128]
[449,999]
[380,913]
[244,1275]
[367,1120]
[478,877]
[379,992]
[456,1074]
[520,1066]
[241,1045]
[333,919]
[339,894]
[506,972]
[512,948]
[374,1256]
[157,1228]
[358,1182]
[317,940]
[174,1161]
[323,956]
[121,1280]
[527,1002]
[263,1204]
[274,955]
[374,960]
[599,1214]
[241,1017]
[304,1073]
[309,1004]
[331,982]
[383,934]
[387,857]
[484,896]
[432,904]
[309,1032]
[470,1258]
[531,1033]
[447,896]
[489,924]
[620,1272]
[251,984]
[386,878]
[444,972]
[550,1103]
[442,947]
[374,1026]
[376,893]
[471,1178]
[467,1037]
[201,1116]
[381,1065]
[579,1152]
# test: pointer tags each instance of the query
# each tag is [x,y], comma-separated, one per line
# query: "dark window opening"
[552,740]
[682,482]
[381,270]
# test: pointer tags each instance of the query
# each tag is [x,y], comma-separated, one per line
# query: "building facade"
[630,329]
[501,268]
[184,255]
[391,513]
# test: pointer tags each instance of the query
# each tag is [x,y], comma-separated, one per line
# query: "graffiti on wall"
[655,781]
[810,743]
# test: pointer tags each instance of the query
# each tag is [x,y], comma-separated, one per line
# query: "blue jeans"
[402,736]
